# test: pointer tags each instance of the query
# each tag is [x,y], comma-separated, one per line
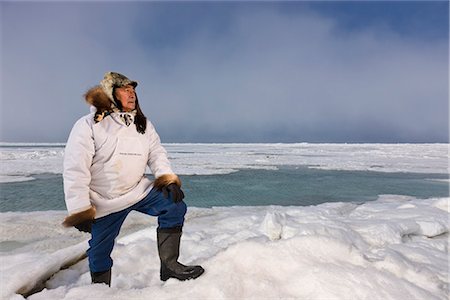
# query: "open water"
[288,185]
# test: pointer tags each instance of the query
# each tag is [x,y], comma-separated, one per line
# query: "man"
[104,163]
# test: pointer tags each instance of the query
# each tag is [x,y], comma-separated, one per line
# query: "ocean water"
[287,185]
[384,211]
[249,174]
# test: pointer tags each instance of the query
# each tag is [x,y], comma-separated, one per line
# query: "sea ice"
[19,162]
[391,248]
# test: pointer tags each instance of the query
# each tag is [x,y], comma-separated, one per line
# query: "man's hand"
[85,226]
[174,190]
[81,220]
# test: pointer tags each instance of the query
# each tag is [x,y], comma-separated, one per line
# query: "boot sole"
[165,277]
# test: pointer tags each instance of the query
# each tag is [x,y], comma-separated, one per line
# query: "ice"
[14,178]
[23,272]
[424,158]
[19,161]
[205,159]
[393,248]
[272,225]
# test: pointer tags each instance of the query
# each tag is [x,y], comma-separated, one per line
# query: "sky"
[230,71]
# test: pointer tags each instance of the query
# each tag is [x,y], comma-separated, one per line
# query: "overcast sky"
[232,71]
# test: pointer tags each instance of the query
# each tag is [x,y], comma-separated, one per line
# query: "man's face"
[127,96]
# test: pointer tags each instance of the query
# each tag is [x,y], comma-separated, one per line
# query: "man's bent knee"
[173,216]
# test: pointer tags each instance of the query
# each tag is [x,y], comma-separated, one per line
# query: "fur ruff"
[101,97]
[97,97]
[79,217]
[165,180]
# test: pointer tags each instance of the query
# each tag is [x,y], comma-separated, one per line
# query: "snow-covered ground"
[20,163]
[392,248]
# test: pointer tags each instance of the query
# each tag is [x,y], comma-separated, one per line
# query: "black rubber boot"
[101,277]
[169,250]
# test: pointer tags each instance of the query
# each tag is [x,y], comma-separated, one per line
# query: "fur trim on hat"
[98,98]
[165,180]
[79,217]
[102,98]
[112,80]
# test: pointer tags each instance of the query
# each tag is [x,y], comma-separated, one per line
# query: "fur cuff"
[165,180]
[79,217]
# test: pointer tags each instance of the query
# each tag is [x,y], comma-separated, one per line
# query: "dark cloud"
[263,75]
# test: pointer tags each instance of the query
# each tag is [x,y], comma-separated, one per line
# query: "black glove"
[85,226]
[174,190]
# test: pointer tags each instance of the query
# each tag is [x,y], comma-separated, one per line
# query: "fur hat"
[113,80]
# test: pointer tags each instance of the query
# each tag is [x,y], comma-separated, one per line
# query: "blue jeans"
[107,228]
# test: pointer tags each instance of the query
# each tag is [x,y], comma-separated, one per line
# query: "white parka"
[105,162]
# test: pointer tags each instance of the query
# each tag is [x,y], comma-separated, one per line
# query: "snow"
[393,248]
[204,159]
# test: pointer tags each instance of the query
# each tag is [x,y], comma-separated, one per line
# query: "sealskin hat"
[113,80]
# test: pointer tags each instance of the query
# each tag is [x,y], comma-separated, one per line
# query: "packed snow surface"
[392,248]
